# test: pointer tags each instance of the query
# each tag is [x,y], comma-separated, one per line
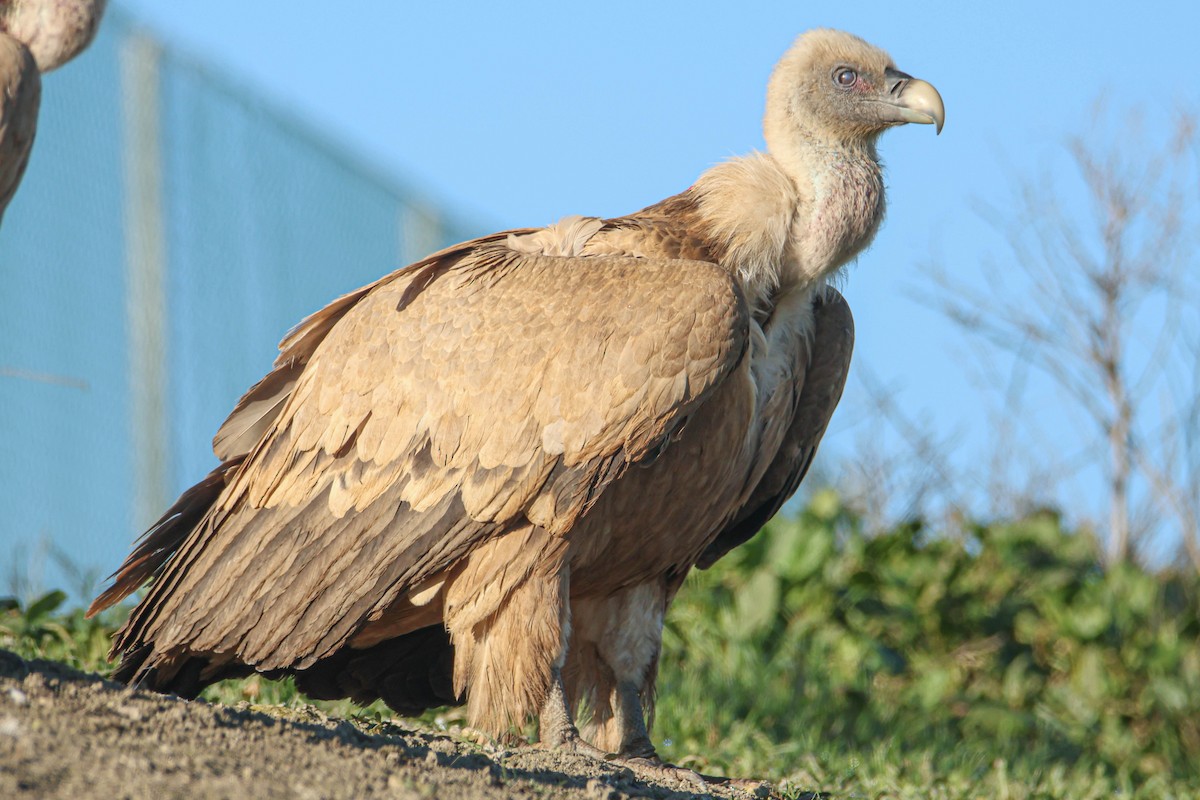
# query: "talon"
[653,766]
[575,744]
[582,748]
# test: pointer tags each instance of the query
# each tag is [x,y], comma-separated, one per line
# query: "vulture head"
[835,88]
[53,30]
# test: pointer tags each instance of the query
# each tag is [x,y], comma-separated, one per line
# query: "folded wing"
[819,388]
[478,390]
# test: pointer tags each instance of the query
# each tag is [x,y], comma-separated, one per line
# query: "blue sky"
[517,114]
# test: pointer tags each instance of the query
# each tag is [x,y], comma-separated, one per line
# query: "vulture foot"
[655,768]
[575,744]
[641,757]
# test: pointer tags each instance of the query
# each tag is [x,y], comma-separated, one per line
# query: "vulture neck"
[789,219]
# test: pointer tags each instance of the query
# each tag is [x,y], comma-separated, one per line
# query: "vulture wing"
[249,421]
[419,417]
[819,388]
[256,411]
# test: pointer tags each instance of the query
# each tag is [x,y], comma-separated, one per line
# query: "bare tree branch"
[1099,297]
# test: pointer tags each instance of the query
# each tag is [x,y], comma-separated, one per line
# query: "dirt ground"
[67,734]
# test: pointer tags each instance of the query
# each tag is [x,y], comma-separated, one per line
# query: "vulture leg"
[556,728]
[507,614]
[629,719]
[612,665]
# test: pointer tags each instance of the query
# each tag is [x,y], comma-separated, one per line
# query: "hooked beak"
[911,100]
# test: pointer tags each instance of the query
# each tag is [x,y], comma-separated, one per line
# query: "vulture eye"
[845,77]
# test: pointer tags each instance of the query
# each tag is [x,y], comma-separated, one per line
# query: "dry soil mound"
[67,734]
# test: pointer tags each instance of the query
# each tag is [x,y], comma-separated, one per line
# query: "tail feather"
[157,545]
[186,677]
[411,673]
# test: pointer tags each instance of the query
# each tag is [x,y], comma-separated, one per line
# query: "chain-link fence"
[170,228]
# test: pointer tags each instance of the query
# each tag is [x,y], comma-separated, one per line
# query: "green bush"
[1011,643]
[41,629]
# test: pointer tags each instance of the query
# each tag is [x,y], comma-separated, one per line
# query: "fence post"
[145,274]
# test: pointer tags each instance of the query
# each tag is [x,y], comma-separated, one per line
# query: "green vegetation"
[42,630]
[1004,664]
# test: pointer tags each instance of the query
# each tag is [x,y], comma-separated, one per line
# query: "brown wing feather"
[823,382]
[246,425]
[254,413]
[505,387]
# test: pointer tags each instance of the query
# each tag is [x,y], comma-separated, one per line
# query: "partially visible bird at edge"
[36,36]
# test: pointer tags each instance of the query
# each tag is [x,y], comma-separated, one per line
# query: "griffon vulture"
[35,37]
[483,477]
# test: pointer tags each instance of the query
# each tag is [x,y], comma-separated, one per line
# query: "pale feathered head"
[835,87]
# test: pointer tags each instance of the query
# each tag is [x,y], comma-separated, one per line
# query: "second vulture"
[483,477]
[36,36]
